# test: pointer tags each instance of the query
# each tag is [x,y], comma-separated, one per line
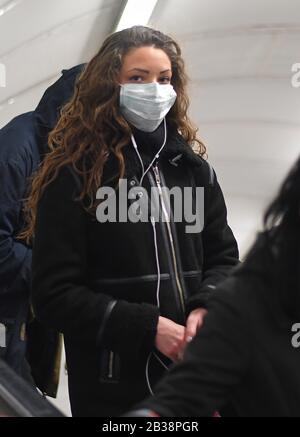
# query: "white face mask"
[146,105]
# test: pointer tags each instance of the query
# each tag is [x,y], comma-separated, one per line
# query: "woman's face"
[146,65]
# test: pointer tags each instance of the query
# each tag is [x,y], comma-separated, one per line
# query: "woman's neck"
[149,143]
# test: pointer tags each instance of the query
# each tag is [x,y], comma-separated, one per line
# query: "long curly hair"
[91,126]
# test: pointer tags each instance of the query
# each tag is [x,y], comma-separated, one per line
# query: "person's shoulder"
[247,289]
[65,177]
[59,199]
[204,171]
[237,294]
[61,192]
[197,162]
[17,140]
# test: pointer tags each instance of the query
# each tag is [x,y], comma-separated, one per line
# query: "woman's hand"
[169,338]
[193,324]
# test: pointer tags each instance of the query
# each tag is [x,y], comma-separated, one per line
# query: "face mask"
[146,105]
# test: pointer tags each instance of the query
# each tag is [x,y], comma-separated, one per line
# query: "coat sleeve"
[61,296]
[220,249]
[213,367]
[15,257]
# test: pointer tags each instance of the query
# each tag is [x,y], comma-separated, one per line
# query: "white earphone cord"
[155,245]
[155,157]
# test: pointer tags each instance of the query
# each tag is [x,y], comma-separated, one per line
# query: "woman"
[126,294]
[246,358]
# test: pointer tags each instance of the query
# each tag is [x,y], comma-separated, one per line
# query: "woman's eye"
[165,80]
[136,79]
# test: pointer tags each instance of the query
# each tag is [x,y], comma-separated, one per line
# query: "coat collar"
[177,149]
[175,152]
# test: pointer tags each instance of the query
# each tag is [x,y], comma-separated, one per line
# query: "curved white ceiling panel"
[38,39]
[239,57]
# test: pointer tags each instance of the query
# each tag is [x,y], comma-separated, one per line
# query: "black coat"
[243,361]
[96,282]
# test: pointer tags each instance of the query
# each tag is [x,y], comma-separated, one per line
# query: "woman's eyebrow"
[141,70]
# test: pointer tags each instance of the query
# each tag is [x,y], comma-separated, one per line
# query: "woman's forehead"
[144,57]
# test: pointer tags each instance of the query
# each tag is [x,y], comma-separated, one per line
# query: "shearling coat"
[97,282]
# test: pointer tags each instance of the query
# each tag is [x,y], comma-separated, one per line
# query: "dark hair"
[282,231]
[91,126]
[283,215]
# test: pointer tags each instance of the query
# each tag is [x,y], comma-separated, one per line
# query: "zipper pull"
[156,172]
[157,177]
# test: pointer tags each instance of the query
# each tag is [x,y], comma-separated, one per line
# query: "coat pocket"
[193,281]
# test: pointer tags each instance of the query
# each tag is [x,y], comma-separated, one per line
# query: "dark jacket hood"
[56,96]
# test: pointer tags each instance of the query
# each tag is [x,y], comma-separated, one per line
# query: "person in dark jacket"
[127,294]
[23,143]
[245,360]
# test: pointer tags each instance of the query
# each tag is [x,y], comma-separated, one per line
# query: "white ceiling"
[39,38]
[238,54]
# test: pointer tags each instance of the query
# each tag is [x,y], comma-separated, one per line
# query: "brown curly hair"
[91,126]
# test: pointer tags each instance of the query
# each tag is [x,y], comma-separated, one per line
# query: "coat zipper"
[179,286]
